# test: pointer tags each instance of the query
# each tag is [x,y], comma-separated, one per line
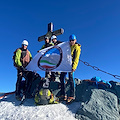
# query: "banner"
[55,58]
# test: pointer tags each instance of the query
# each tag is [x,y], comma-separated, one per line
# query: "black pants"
[18,83]
[71,81]
[28,80]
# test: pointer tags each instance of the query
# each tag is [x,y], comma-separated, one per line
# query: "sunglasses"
[24,45]
[72,40]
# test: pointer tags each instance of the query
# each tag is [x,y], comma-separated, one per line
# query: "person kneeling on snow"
[21,60]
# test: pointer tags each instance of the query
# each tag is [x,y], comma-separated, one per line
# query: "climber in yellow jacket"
[75,53]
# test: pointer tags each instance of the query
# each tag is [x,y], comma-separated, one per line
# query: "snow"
[11,110]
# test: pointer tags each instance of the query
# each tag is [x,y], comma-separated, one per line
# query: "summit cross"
[51,32]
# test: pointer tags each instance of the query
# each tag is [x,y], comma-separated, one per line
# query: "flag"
[55,58]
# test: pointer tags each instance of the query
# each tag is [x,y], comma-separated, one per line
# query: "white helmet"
[25,42]
[53,37]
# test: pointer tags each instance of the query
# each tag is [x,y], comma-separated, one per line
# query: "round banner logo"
[51,59]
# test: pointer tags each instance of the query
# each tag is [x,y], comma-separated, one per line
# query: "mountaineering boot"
[70,100]
[62,98]
[18,97]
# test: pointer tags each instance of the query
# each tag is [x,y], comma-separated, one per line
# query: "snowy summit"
[11,110]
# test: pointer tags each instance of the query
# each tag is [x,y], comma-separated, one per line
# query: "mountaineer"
[22,57]
[75,53]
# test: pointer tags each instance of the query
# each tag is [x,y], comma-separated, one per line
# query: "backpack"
[101,83]
[14,54]
[96,79]
[44,97]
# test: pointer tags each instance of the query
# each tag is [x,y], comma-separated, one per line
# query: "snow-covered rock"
[92,102]
[10,110]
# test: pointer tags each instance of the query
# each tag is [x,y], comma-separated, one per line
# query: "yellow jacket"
[75,53]
[22,62]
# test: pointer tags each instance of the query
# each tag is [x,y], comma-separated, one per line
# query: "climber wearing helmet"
[75,53]
[47,44]
[22,59]
[54,40]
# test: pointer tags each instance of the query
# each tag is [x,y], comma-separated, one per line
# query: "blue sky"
[96,23]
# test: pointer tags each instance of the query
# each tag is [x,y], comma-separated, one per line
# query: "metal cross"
[51,32]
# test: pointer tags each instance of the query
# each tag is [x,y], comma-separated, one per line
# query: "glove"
[22,68]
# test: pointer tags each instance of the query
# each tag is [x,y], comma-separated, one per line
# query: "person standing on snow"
[22,59]
[75,53]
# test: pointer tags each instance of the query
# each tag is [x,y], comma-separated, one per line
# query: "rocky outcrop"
[97,103]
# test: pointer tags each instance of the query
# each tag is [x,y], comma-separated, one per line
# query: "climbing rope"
[97,69]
